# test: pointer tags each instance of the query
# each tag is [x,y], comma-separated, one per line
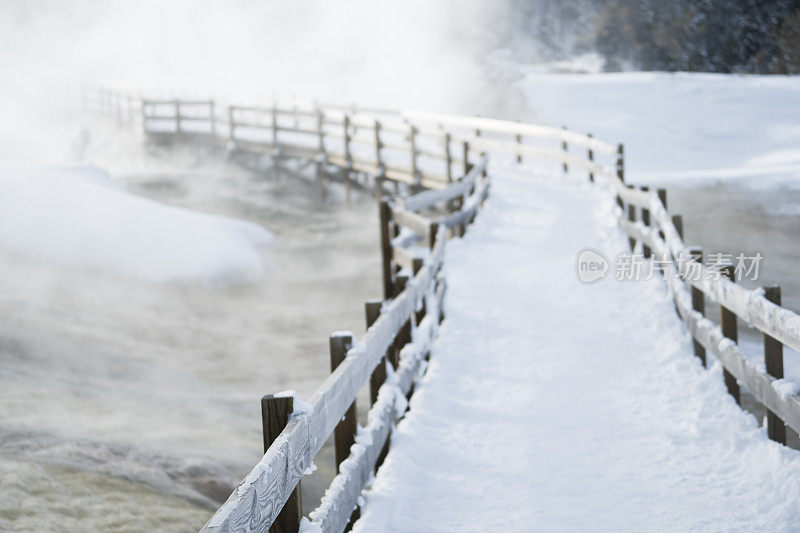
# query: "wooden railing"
[691,283]
[432,203]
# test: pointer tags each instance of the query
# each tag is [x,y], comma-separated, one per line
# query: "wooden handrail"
[710,336]
[272,481]
[512,128]
[428,198]
[391,145]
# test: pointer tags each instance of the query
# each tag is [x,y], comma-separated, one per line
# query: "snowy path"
[550,405]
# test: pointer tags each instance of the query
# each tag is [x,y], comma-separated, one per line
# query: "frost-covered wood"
[470,206]
[409,219]
[259,497]
[514,148]
[340,499]
[513,128]
[750,306]
[760,384]
[428,198]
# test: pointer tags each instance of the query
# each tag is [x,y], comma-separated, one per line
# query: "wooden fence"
[438,164]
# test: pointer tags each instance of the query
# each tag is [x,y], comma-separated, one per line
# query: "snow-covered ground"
[680,127]
[552,405]
[76,216]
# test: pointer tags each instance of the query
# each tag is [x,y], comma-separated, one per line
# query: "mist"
[406,53]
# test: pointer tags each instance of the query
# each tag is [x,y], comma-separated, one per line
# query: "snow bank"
[75,216]
[681,127]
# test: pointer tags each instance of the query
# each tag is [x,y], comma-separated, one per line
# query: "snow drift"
[75,216]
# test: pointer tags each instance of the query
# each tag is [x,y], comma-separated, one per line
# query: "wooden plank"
[409,219]
[402,257]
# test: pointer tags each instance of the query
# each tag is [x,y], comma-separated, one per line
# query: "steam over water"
[131,405]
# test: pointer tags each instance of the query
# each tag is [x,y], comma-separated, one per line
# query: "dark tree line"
[753,36]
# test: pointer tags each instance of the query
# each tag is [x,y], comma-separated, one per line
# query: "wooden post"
[347,155]
[727,321]
[378,146]
[448,158]
[662,196]
[591,160]
[274,124]
[433,230]
[177,117]
[518,138]
[646,222]
[620,168]
[631,218]
[275,414]
[404,335]
[566,150]
[412,139]
[385,212]
[467,165]
[378,377]
[212,117]
[698,302]
[231,125]
[773,359]
[320,132]
[677,221]
[416,265]
[345,433]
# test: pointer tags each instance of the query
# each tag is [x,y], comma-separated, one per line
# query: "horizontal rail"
[760,384]
[470,207]
[257,500]
[774,320]
[428,198]
[512,128]
[333,512]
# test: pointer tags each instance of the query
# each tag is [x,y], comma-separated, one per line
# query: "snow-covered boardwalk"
[553,405]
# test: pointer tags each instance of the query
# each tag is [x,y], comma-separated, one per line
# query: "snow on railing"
[691,283]
[439,184]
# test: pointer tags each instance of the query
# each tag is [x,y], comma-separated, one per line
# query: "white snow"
[307,527]
[299,407]
[554,405]
[75,216]
[785,387]
[681,127]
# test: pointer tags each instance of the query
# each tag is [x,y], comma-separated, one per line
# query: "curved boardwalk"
[553,405]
